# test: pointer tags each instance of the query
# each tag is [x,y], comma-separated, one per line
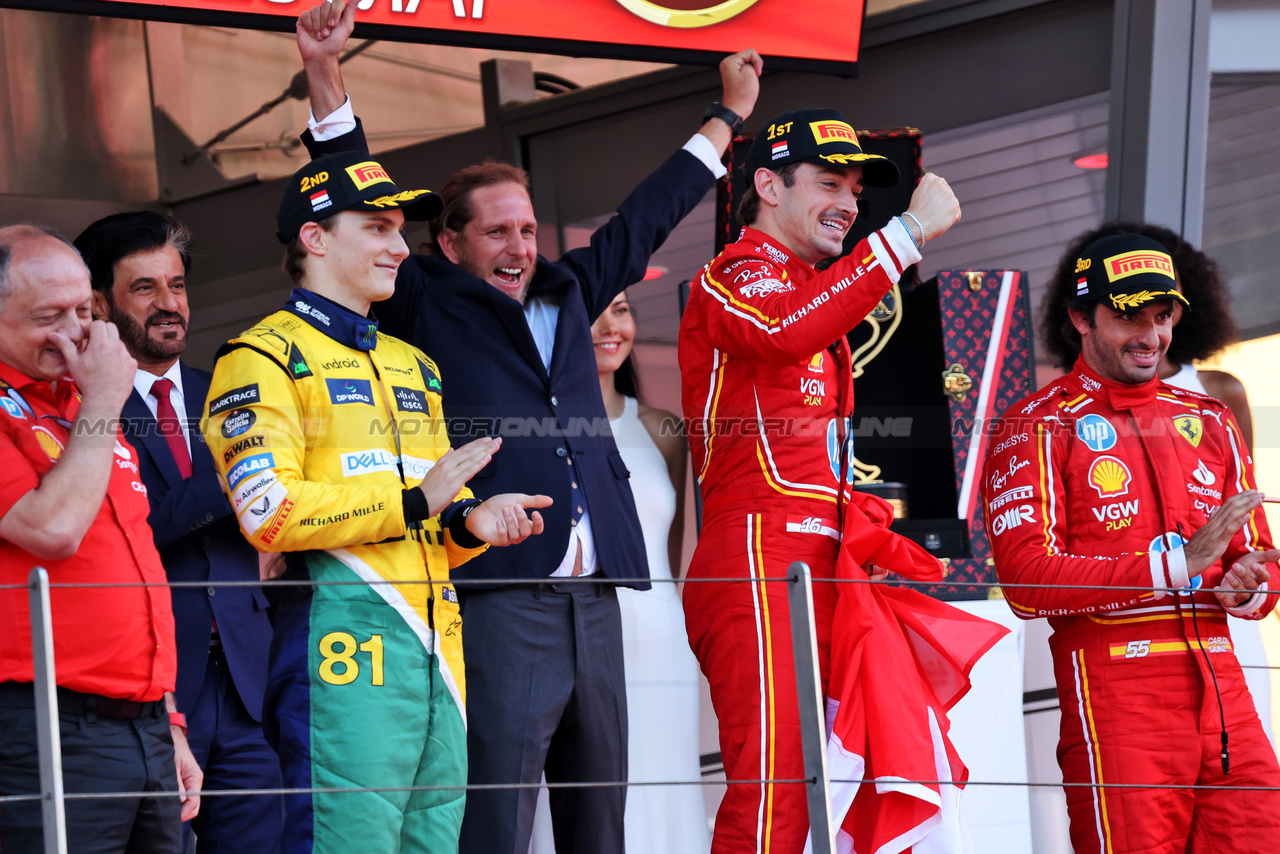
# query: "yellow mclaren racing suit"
[321,427]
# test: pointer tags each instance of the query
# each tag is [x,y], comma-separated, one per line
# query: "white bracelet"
[917,222]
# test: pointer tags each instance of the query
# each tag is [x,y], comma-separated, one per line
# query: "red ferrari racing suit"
[1098,484]
[767,392]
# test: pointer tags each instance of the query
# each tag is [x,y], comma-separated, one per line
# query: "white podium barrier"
[986,729]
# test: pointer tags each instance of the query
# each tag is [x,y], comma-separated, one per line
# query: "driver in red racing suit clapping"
[1125,488]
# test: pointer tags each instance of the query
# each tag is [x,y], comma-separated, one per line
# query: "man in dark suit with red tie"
[138,264]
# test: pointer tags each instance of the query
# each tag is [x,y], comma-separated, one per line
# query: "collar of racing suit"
[1121,396]
[776,252]
[339,323]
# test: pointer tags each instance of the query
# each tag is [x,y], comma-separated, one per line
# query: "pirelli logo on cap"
[367,174]
[1140,261]
[830,130]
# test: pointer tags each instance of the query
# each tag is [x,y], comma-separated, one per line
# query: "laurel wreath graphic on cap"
[402,196]
[844,159]
[1124,301]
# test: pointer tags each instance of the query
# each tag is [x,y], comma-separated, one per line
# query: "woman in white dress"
[661,671]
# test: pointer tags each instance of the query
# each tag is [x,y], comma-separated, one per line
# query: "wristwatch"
[719,111]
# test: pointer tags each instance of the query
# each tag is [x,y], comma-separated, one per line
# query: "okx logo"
[350,391]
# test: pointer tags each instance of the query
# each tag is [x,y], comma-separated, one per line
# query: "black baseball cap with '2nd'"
[346,181]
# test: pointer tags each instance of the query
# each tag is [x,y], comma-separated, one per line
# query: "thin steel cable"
[591,579]
[355,790]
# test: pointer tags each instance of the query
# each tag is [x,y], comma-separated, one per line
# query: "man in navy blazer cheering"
[138,264]
[511,333]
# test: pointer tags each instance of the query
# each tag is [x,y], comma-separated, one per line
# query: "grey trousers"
[545,691]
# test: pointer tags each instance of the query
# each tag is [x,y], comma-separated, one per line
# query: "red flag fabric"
[899,661]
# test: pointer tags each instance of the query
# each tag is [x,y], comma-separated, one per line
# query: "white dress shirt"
[143,380]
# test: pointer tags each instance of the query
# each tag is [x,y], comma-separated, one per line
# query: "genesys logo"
[248,466]
[237,421]
[410,399]
[350,391]
[1011,442]
[242,396]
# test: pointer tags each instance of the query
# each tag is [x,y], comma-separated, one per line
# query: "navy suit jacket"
[496,385]
[199,540]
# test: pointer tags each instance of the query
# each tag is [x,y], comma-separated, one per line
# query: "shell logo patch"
[1190,428]
[1110,477]
[48,442]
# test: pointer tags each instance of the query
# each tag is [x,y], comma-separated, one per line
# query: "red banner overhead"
[820,35]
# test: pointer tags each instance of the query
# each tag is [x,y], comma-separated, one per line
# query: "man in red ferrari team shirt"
[768,391]
[73,504]
[1129,489]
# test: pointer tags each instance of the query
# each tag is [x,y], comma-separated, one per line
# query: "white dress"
[1246,635]
[662,676]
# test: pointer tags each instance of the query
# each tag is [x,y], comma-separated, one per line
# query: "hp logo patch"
[1096,432]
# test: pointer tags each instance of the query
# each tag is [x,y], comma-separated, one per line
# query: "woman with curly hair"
[1208,329]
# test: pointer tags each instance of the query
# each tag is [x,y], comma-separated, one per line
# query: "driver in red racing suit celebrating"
[768,391]
[1112,480]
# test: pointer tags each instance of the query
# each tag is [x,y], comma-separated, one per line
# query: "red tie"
[170,427]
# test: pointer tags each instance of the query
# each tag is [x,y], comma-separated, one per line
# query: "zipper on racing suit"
[415,530]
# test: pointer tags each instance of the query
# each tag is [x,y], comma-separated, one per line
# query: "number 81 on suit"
[340,667]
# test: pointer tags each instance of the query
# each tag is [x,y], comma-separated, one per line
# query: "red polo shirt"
[114,641]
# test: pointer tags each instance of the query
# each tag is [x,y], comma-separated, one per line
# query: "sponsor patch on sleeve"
[252,489]
[242,396]
[248,443]
[264,508]
[237,421]
[248,466]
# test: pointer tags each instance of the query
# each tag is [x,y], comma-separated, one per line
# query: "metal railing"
[799,581]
